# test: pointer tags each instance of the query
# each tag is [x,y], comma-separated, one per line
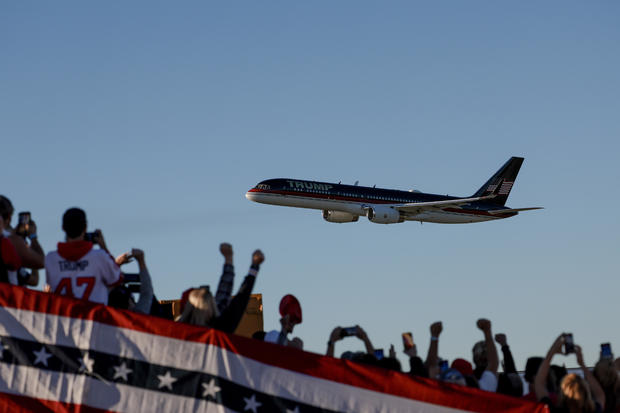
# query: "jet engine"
[383,215]
[338,216]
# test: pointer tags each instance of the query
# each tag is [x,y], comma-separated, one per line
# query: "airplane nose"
[249,196]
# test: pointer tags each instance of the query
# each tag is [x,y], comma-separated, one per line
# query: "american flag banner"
[59,354]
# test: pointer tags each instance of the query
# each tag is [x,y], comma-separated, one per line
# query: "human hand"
[360,333]
[556,347]
[138,254]
[484,325]
[32,228]
[258,257]
[411,351]
[392,351]
[336,334]
[579,355]
[227,252]
[436,329]
[501,339]
[124,258]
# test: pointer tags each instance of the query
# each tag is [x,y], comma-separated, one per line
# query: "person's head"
[290,310]
[120,297]
[200,308]
[479,352]
[531,368]
[606,374]
[297,343]
[6,210]
[510,384]
[575,394]
[453,376]
[74,223]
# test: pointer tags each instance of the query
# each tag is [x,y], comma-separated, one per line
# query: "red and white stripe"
[308,378]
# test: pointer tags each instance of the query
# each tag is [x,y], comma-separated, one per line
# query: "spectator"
[290,312]
[31,256]
[199,306]
[120,296]
[485,358]
[339,333]
[9,260]
[78,270]
[416,365]
[576,394]
[606,374]
[508,382]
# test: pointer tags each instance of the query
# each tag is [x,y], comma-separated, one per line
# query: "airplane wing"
[413,207]
[503,211]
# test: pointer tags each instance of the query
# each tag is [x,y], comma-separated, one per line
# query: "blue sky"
[157,118]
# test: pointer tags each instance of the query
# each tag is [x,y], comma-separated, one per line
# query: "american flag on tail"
[59,354]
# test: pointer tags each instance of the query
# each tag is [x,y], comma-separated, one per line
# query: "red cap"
[289,305]
[463,366]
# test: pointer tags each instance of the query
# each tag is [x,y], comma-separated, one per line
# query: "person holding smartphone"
[576,394]
[77,269]
[25,240]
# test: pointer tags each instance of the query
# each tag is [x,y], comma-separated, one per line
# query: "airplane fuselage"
[345,203]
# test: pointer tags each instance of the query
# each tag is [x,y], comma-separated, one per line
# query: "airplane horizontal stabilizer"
[503,211]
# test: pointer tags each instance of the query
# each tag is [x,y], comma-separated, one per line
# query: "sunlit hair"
[575,393]
[200,309]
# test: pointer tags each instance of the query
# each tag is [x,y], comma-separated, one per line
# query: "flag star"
[293,411]
[210,389]
[251,404]
[86,363]
[121,372]
[41,356]
[166,380]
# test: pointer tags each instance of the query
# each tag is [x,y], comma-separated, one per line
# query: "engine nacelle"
[383,215]
[339,216]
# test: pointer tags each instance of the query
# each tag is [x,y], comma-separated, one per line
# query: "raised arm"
[595,386]
[225,286]
[146,286]
[331,343]
[492,359]
[432,358]
[540,381]
[361,334]
[230,318]
[509,363]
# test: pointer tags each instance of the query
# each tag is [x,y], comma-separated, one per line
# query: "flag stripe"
[276,375]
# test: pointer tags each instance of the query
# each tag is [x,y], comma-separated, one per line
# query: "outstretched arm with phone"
[339,333]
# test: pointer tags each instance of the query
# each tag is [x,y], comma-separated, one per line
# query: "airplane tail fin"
[501,183]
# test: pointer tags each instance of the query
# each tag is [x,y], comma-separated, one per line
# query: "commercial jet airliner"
[346,203]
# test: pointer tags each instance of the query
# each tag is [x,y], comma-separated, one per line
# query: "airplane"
[346,203]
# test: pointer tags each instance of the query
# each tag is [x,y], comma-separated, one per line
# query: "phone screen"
[379,353]
[407,340]
[606,351]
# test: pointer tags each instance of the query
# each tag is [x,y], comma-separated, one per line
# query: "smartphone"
[379,353]
[569,344]
[443,365]
[348,331]
[407,340]
[131,278]
[23,222]
[606,351]
[23,218]
[91,237]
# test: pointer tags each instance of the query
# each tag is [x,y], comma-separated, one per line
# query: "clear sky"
[157,117]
